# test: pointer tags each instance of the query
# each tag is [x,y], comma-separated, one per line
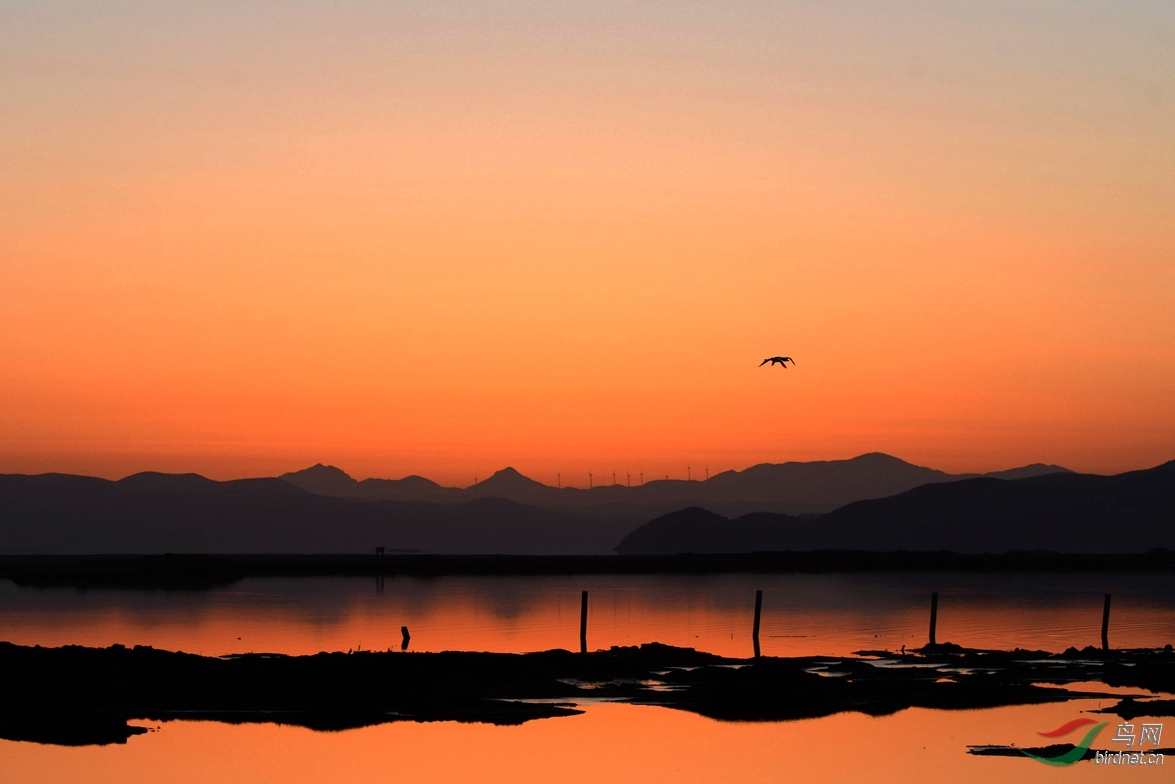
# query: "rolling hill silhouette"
[790,488]
[328,480]
[159,513]
[509,513]
[1065,512]
[697,530]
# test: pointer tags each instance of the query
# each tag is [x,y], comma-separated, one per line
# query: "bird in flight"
[778,360]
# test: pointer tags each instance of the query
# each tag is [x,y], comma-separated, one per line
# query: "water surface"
[802,614]
[609,743]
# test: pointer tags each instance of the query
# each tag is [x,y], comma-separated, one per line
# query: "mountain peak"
[509,477]
[878,458]
[324,470]
[509,483]
[509,471]
[1029,471]
[160,482]
[321,479]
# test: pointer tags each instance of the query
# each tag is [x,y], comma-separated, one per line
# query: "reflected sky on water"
[609,743]
[802,614]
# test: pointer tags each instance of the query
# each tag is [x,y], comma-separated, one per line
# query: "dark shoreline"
[80,696]
[193,571]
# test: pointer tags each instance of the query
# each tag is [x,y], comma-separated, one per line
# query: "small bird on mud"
[778,360]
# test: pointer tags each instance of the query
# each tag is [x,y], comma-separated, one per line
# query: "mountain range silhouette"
[873,502]
[1060,512]
[789,488]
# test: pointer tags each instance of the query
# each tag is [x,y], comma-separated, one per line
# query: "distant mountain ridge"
[184,513]
[792,488]
[697,530]
[1062,512]
[327,480]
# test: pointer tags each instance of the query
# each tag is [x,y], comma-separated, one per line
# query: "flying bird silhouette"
[778,360]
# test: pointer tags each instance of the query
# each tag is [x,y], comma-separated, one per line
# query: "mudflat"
[75,696]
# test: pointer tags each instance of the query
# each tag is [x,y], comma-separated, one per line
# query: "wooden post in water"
[583,623]
[1106,624]
[933,616]
[758,612]
[407,637]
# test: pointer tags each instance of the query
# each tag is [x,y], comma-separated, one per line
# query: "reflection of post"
[1106,625]
[933,616]
[407,637]
[758,612]
[583,623]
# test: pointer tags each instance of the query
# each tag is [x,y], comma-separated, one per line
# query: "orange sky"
[442,241]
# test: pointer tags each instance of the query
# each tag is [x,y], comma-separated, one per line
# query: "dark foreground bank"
[195,571]
[77,696]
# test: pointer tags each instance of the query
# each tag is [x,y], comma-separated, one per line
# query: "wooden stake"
[758,612]
[583,623]
[933,616]
[1106,624]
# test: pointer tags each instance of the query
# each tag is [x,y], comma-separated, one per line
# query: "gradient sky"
[242,237]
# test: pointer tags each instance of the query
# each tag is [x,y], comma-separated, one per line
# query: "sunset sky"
[240,238]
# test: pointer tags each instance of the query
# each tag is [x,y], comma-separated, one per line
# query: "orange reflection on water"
[610,742]
[802,614]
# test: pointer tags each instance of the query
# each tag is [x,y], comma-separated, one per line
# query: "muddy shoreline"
[76,696]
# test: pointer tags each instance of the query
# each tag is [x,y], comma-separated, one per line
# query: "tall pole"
[1106,624]
[758,612]
[933,615]
[589,480]
[583,622]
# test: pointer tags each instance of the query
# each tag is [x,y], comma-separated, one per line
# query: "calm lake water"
[802,614]
[608,743]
